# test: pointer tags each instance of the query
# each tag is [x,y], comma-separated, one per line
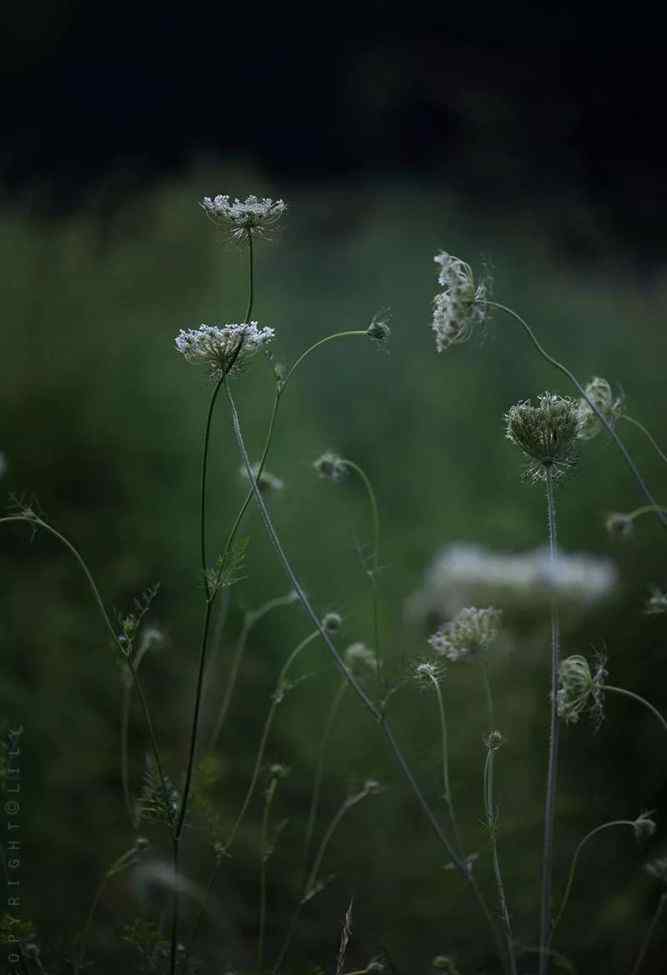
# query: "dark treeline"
[525,104]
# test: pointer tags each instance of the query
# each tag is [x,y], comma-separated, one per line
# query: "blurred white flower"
[465,574]
[472,631]
[223,347]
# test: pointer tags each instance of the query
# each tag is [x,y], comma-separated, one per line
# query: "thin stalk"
[316,345]
[375,569]
[649,934]
[276,699]
[636,697]
[249,621]
[554,732]
[373,710]
[319,768]
[487,690]
[492,824]
[310,889]
[264,855]
[35,520]
[211,594]
[649,436]
[645,509]
[83,944]
[575,858]
[447,789]
[582,392]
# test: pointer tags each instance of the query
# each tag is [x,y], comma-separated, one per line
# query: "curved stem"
[373,710]
[316,345]
[319,769]
[35,520]
[264,855]
[636,697]
[573,865]
[492,824]
[649,436]
[276,700]
[554,732]
[248,623]
[374,571]
[649,934]
[580,389]
[645,509]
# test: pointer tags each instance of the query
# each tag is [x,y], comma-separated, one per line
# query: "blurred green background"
[102,422]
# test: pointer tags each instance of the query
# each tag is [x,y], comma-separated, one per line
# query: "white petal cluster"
[241,217]
[460,306]
[223,348]
[464,574]
[470,632]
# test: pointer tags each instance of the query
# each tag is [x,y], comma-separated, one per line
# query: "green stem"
[316,345]
[250,620]
[575,858]
[78,964]
[349,676]
[374,571]
[636,697]
[491,821]
[484,666]
[445,763]
[319,769]
[276,700]
[580,389]
[554,732]
[649,437]
[264,855]
[649,934]
[645,509]
[35,520]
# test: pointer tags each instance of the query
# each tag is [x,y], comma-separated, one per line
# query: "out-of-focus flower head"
[469,633]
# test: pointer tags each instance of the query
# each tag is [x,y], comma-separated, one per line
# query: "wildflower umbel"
[223,348]
[644,827]
[599,392]
[546,433]
[461,306]
[244,217]
[580,689]
[468,634]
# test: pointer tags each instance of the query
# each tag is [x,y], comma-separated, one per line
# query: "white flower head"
[244,217]
[599,393]
[223,348]
[330,466]
[461,306]
[468,634]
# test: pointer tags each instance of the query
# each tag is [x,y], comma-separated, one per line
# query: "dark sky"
[500,103]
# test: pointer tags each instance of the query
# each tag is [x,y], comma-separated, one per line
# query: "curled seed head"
[580,688]
[546,433]
[619,525]
[644,827]
[494,740]
[599,393]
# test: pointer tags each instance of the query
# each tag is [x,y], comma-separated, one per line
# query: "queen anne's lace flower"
[243,217]
[471,632]
[462,304]
[330,466]
[223,348]
[600,394]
